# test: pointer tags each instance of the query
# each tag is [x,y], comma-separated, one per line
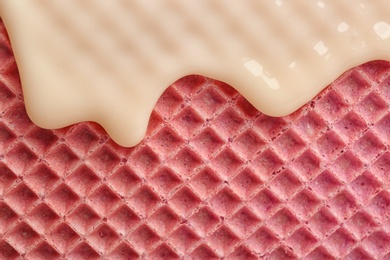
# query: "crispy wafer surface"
[213,178]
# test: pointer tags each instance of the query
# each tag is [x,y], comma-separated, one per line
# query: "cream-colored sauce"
[109,61]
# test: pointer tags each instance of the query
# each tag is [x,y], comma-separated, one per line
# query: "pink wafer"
[213,178]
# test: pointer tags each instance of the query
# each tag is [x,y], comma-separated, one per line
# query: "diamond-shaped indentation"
[7,137]
[104,160]
[243,222]
[226,163]
[124,181]
[7,251]
[164,181]
[103,200]
[242,253]
[163,251]
[283,252]
[190,84]
[206,182]
[207,143]
[225,202]
[7,217]
[382,129]
[380,206]
[17,119]
[343,205]
[340,242]
[310,126]
[331,106]
[326,184]
[43,251]
[204,221]
[62,159]
[203,252]
[330,145]
[145,161]
[267,164]
[347,166]
[21,198]
[307,165]
[361,224]
[155,122]
[381,168]
[262,241]
[42,179]
[375,70]
[350,126]
[123,219]
[169,102]
[209,102]
[223,240]
[7,97]
[372,108]
[83,251]
[368,147]
[302,241]
[270,127]
[7,178]
[364,187]
[123,251]
[20,159]
[184,202]
[323,222]
[188,122]
[22,237]
[83,180]
[385,89]
[246,107]
[64,237]
[377,244]
[144,200]
[183,239]
[321,253]
[103,238]
[185,162]
[285,184]
[248,144]
[226,89]
[228,123]
[83,219]
[7,59]
[82,139]
[283,222]
[143,238]
[42,218]
[352,87]
[288,145]
[358,253]
[62,199]
[265,203]
[245,183]
[164,220]
[305,204]
[41,139]
[166,142]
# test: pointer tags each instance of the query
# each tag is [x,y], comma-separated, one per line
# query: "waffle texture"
[213,178]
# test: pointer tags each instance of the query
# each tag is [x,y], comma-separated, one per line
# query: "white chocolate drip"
[109,61]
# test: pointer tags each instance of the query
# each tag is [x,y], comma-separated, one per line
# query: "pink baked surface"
[213,177]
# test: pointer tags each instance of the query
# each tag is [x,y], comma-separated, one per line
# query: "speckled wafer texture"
[213,178]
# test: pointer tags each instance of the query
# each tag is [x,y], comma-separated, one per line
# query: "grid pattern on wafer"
[213,178]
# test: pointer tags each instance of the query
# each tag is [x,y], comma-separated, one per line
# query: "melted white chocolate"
[109,61]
